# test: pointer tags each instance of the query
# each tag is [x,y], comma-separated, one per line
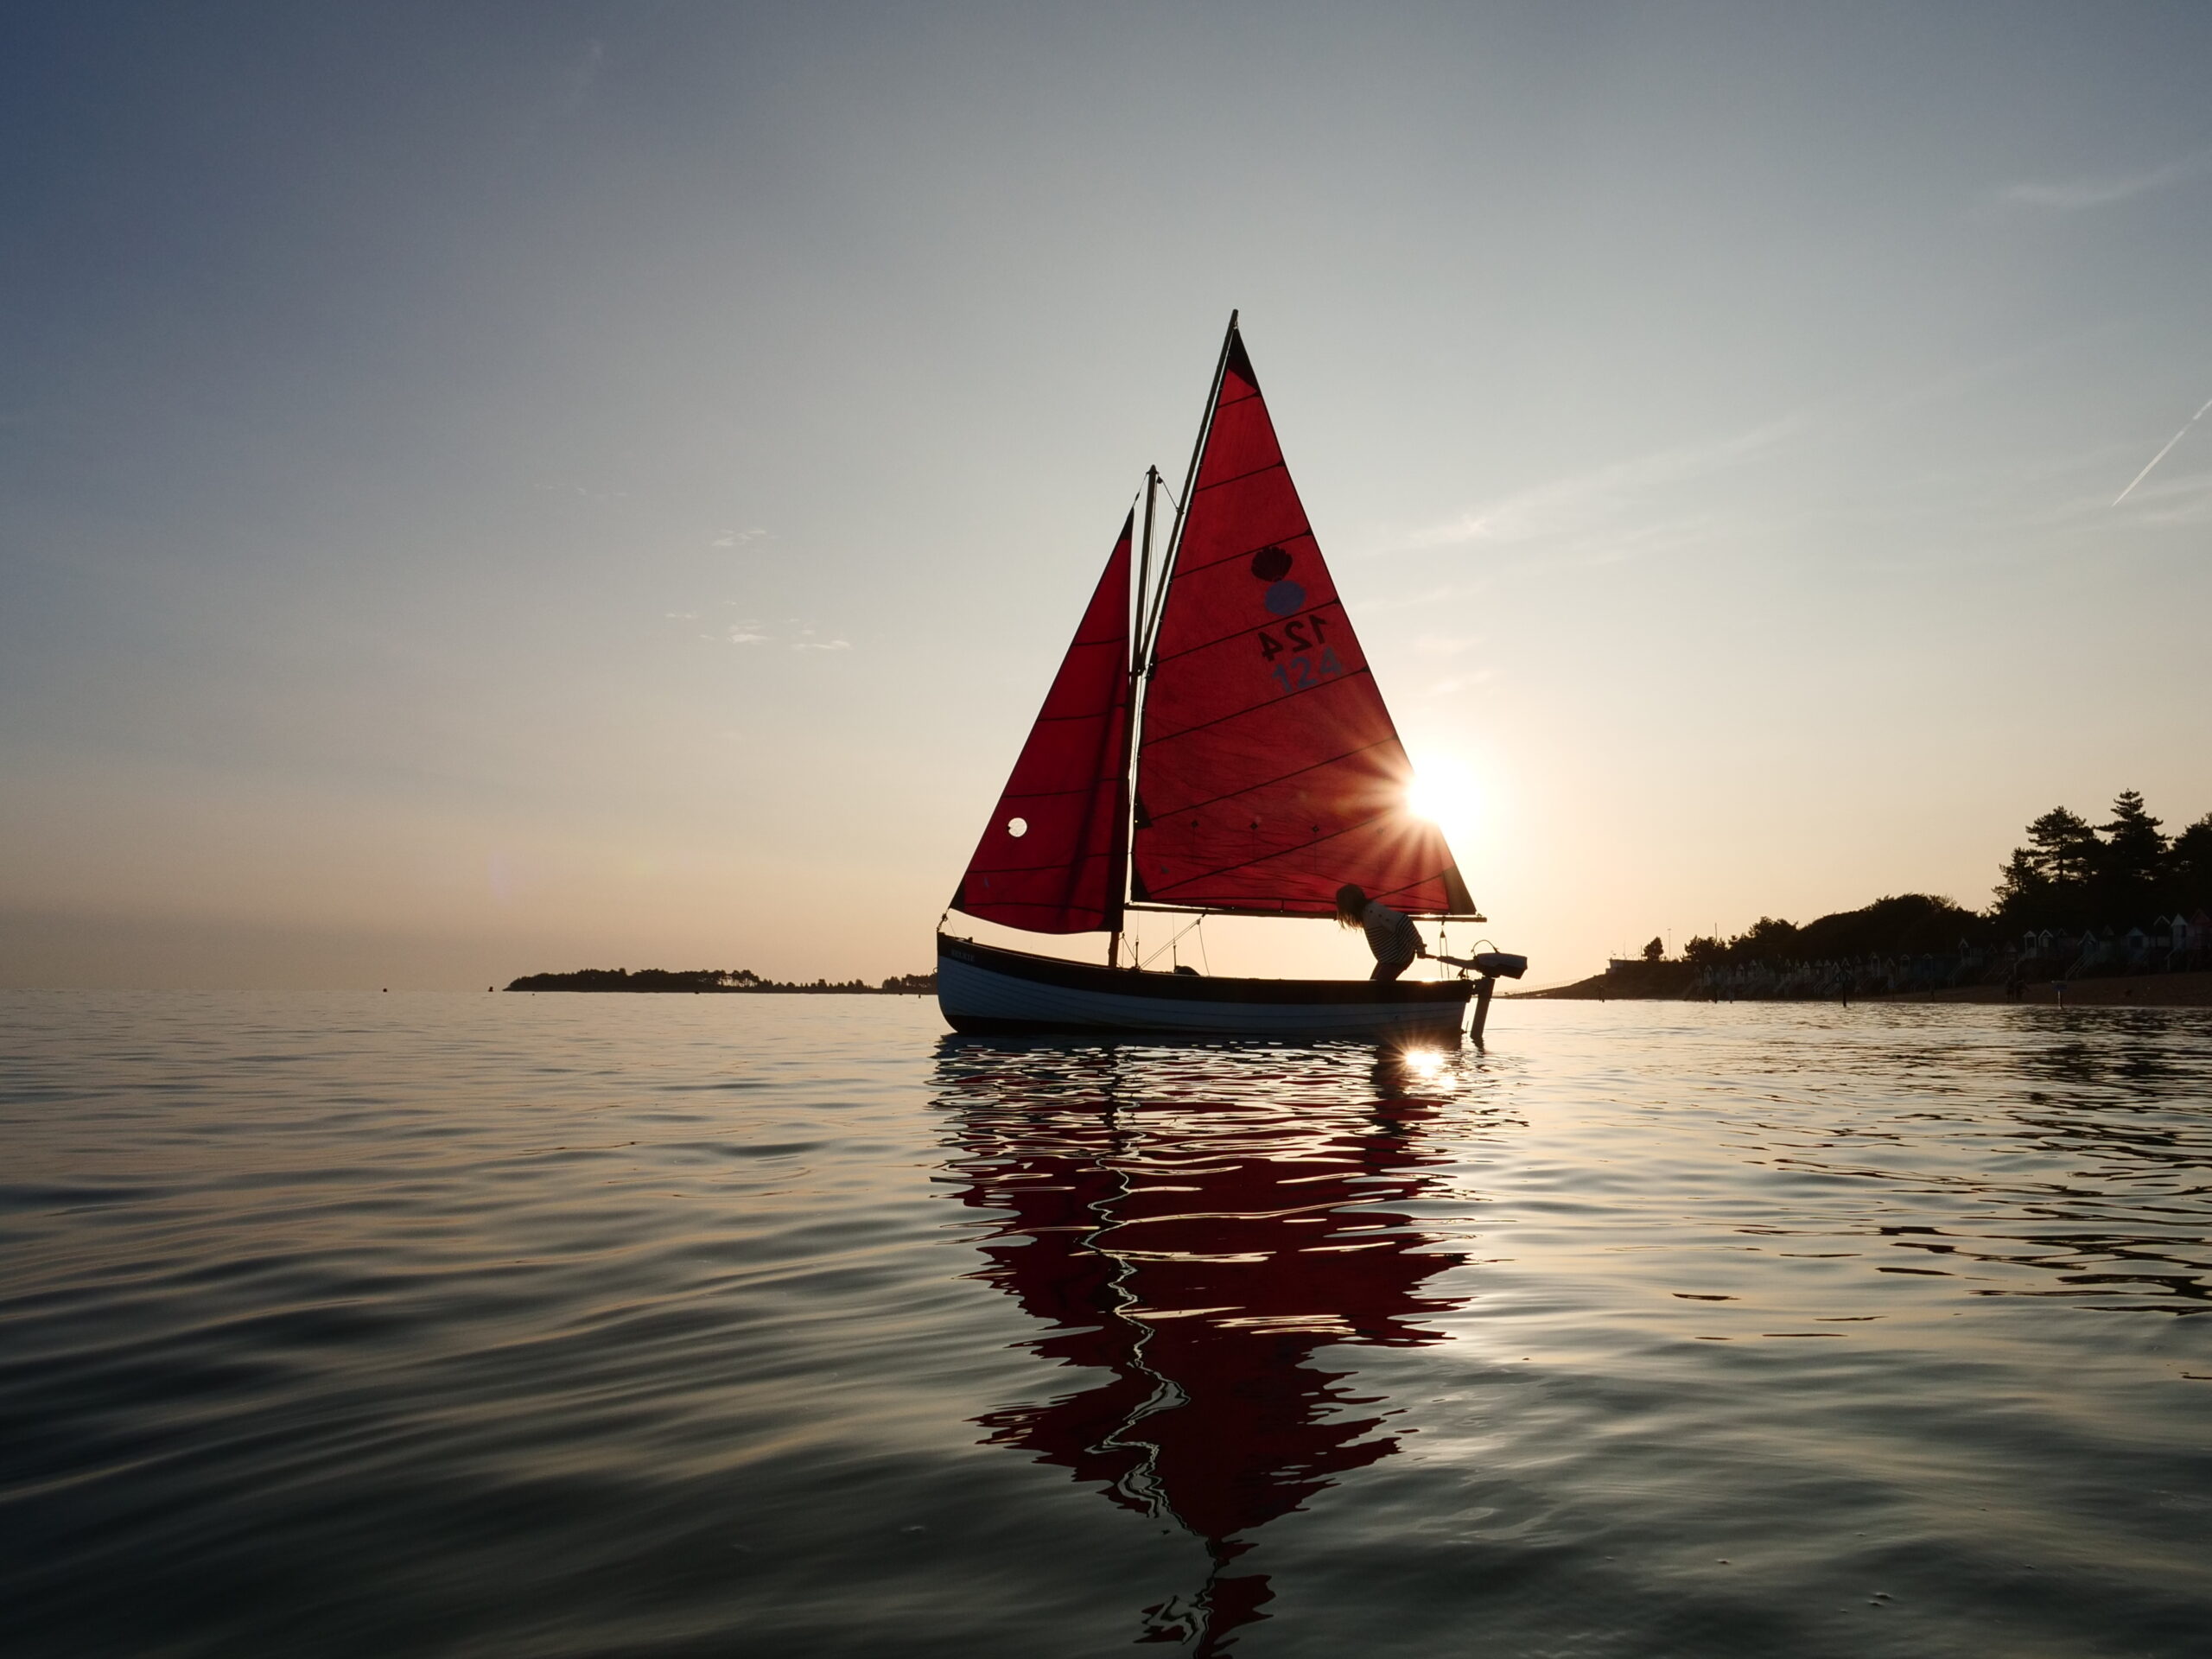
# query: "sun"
[1445,792]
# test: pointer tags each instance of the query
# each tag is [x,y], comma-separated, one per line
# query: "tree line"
[2074,874]
[721,980]
[2071,875]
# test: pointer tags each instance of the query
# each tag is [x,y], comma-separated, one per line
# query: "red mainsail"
[1051,857]
[1269,773]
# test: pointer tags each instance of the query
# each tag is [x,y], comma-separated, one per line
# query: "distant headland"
[720,982]
[2116,912]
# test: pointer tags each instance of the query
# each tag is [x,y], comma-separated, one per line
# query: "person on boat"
[1391,934]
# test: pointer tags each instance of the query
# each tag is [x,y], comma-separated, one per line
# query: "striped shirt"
[1390,935]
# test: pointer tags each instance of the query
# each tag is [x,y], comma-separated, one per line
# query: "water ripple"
[658,1326]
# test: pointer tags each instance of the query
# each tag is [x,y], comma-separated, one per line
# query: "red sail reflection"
[1203,1252]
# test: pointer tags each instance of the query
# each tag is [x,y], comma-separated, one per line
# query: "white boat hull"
[986,991]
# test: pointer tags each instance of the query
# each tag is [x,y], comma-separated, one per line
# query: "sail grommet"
[1017,827]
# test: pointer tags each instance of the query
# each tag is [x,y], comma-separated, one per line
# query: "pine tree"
[2189,867]
[2022,890]
[2129,862]
[2061,846]
[2133,846]
[2046,883]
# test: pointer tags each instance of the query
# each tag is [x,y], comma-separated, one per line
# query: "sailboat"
[1213,744]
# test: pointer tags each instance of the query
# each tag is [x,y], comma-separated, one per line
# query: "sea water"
[657,1326]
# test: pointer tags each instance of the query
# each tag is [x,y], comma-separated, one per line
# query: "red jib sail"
[1051,858]
[1269,773]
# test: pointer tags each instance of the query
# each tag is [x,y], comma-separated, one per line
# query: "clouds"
[1605,513]
[789,632]
[2072,195]
[753,631]
[738,538]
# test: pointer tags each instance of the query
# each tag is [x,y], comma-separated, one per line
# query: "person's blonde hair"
[1351,904]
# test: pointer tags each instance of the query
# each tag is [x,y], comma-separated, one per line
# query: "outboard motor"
[1492,965]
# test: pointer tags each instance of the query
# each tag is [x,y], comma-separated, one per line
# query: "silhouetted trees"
[2189,857]
[1905,924]
[645,979]
[2090,884]
[716,980]
[2072,874]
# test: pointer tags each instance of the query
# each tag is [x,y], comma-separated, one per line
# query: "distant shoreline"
[2191,990]
[719,990]
[714,981]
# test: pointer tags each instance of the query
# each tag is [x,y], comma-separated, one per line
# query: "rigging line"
[1054,867]
[1284,542]
[1151,607]
[1127,703]
[1049,795]
[1285,852]
[1190,483]
[1265,783]
[1134,629]
[1314,910]
[1170,945]
[1345,678]
[1061,720]
[1132,613]
[1223,483]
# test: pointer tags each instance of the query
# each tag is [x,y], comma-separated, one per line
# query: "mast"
[1144,577]
[1149,605]
[1129,720]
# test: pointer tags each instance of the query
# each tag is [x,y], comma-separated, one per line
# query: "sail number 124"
[1305,668]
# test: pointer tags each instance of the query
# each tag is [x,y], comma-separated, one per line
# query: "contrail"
[2161,456]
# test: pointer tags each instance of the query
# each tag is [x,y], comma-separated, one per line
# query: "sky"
[491,488]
